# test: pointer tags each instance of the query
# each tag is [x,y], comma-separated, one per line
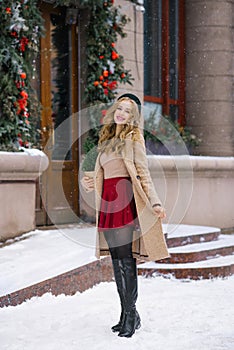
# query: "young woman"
[129,211]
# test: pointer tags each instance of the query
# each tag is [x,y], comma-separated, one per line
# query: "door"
[57,202]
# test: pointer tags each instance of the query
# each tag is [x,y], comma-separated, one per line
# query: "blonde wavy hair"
[108,140]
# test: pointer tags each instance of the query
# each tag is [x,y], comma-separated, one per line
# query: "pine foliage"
[20,28]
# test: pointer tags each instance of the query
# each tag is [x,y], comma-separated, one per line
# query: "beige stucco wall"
[210,74]
[195,190]
[17,212]
[18,173]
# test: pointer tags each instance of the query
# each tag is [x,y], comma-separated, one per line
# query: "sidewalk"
[176,314]
[196,315]
[42,254]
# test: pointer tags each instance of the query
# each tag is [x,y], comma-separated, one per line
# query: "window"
[164,63]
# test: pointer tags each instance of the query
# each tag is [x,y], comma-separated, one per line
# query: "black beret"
[132,97]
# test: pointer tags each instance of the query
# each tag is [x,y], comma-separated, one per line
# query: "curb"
[68,283]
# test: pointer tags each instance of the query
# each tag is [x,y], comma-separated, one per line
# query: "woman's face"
[123,112]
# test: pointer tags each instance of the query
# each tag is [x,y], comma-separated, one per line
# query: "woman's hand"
[87,183]
[159,211]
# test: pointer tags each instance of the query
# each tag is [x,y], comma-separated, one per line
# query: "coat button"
[138,177]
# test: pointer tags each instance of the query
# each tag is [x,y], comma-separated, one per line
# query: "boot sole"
[138,326]
[116,329]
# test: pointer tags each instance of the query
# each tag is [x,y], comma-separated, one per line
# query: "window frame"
[165,100]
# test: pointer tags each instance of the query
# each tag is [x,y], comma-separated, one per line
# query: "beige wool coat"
[149,242]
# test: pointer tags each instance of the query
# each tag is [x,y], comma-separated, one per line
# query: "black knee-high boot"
[119,282]
[131,317]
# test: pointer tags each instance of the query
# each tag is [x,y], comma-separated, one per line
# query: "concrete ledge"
[196,163]
[18,174]
[77,280]
[27,165]
[195,190]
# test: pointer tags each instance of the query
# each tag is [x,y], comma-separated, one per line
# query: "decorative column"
[132,47]
[210,74]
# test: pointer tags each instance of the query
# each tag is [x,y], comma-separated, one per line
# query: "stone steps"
[195,253]
[201,251]
[217,267]
[179,235]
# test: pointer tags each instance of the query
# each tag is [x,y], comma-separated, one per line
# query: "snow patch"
[175,316]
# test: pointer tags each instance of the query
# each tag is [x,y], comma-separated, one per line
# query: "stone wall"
[18,174]
[132,48]
[210,74]
[195,190]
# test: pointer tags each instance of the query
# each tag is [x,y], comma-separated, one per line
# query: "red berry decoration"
[122,75]
[24,94]
[105,73]
[8,10]
[113,85]
[96,83]
[14,34]
[23,75]
[23,43]
[20,140]
[114,55]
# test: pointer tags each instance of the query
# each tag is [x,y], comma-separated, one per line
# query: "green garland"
[105,66]
[20,27]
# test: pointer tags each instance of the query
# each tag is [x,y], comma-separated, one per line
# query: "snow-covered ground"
[39,255]
[176,315]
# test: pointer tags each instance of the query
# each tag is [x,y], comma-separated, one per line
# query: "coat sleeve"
[143,174]
[98,182]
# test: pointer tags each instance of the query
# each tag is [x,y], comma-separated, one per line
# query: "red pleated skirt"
[117,204]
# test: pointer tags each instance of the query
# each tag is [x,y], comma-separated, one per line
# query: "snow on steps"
[187,234]
[201,251]
[217,267]
[213,256]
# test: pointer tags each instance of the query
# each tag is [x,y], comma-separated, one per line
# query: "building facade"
[185,52]
[180,53]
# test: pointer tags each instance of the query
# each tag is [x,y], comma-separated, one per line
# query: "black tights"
[120,242]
